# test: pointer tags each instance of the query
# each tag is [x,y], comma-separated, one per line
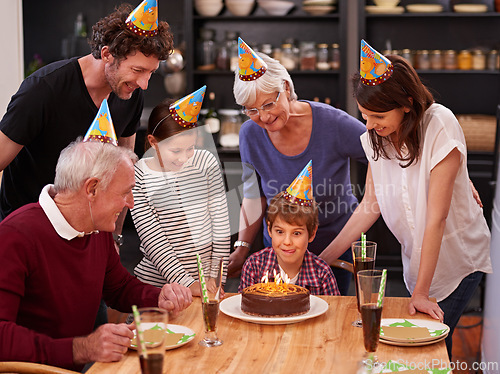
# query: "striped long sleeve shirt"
[177,215]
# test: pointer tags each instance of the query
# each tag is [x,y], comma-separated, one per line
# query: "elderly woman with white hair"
[281,136]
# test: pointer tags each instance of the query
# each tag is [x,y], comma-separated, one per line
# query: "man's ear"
[105,54]
[90,187]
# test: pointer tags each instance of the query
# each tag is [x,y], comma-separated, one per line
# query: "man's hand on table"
[422,304]
[107,343]
[174,298]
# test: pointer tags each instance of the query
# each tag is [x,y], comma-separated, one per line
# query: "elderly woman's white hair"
[245,92]
[80,161]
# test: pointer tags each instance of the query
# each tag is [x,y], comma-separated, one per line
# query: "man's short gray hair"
[80,161]
[245,92]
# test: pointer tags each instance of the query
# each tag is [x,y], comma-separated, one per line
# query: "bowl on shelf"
[386,3]
[208,8]
[240,8]
[276,7]
[316,10]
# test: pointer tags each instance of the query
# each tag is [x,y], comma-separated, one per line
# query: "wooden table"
[325,344]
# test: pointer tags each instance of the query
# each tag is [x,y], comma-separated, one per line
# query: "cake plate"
[232,307]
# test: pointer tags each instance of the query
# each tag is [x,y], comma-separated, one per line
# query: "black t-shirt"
[50,110]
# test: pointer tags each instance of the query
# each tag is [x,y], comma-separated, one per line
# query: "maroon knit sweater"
[50,288]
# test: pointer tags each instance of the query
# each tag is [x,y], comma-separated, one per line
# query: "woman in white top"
[180,206]
[418,180]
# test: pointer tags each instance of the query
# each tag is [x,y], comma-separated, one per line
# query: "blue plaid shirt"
[314,274]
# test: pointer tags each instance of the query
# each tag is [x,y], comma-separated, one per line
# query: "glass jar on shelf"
[232,47]
[478,60]
[436,60]
[407,55]
[492,63]
[322,57]
[206,50]
[307,56]
[334,58]
[450,61]
[288,57]
[423,60]
[464,60]
[231,122]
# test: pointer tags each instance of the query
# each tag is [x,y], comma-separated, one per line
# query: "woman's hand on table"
[422,304]
[107,343]
[174,298]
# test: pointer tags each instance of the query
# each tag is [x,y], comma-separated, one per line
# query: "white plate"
[373,9]
[410,344]
[436,329]
[470,8]
[232,307]
[317,10]
[188,334]
[424,8]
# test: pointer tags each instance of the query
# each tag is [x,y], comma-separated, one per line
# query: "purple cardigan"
[334,141]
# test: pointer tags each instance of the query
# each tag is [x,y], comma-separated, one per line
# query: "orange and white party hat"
[101,129]
[143,20]
[374,67]
[185,111]
[300,191]
[251,66]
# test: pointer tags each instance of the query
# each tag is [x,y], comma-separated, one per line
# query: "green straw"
[382,288]
[363,245]
[202,280]
[140,333]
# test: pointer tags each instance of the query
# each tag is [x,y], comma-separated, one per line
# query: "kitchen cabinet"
[258,28]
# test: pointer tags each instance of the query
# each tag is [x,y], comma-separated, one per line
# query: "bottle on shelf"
[232,47]
[322,57]
[335,57]
[307,56]
[212,120]
[206,53]
[80,26]
[287,57]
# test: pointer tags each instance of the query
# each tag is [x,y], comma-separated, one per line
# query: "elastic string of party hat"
[158,124]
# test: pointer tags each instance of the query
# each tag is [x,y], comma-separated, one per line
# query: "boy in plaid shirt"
[291,227]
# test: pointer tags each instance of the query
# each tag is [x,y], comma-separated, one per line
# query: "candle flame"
[280,283]
[265,278]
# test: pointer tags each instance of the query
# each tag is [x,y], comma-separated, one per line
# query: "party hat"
[185,111]
[251,66]
[101,129]
[374,68]
[144,19]
[300,191]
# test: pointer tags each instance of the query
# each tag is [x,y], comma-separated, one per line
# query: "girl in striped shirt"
[180,204]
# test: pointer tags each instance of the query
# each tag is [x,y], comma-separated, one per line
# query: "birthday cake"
[275,300]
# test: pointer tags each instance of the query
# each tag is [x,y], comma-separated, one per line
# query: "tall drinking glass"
[210,305]
[362,261]
[153,323]
[371,311]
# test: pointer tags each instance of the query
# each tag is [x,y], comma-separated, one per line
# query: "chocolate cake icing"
[271,300]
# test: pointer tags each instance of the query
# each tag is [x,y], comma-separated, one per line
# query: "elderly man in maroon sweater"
[58,260]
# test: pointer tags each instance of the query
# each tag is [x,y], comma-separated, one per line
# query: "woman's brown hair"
[402,89]
[161,124]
